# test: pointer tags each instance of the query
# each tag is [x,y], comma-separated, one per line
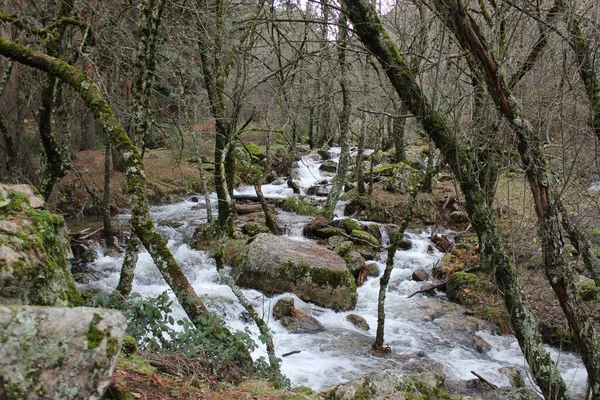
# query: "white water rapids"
[414,327]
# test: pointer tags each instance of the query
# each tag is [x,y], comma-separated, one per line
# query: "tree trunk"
[370,30]
[340,176]
[106,219]
[398,124]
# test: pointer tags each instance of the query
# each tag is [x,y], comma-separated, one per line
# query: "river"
[426,328]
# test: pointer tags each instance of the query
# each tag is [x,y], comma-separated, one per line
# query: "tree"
[142,224]
[371,32]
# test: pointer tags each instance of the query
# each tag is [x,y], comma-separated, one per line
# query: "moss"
[587,290]
[129,345]
[302,205]
[363,237]
[351,225]
[94,335]
[255,151]
[112,346]
[458,280]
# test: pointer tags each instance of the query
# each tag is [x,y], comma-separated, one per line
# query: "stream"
[420,328]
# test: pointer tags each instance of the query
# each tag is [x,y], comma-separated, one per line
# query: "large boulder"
[58,353]
[34,252]
[275,264]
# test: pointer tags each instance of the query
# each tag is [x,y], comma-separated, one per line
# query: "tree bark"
[340,176]
[371,32]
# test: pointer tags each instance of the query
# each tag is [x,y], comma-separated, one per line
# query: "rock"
[351,225]
[459,217]
[373,269]
[367,252]
[387,384]
[253,228]
[294,320]
[321,190]
[405,244]
[358,321]
[514,376]
[456,281]
[171,223]
[420,275]
[348,186]
[303,205]
[586,288]
[505,393]
[480,345]
[426,370]
[255,152]
[64,353]
[340,245]
[364,238]
[294,185]
[354,262]
[275,264]
[328,166]
[324,154]
[34,252]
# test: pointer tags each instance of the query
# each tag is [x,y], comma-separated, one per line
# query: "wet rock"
[514,376]
[405,244]
[275,264]
[34,253]
[195,199]
[319,190]
[366,252]
[358,321]
[68,353]
[387,384]
[294,320]
[420,275]
[294,185]
[505,393]
[354,262]
[324,154]
[372,269]
[480,345]
[364,238]
[171,223]
[328,166]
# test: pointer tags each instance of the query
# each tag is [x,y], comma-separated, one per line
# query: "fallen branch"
[482,379]
[291,353]
[429,288]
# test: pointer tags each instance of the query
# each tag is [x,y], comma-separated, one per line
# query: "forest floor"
[172,174]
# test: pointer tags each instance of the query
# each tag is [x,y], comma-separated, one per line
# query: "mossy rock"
[253,228]
[299,204]
[351,225]
[362,238]
[255,152]
[276,264]
[205,234]
[327,232]
[586,288]
[34,252]
[459,281]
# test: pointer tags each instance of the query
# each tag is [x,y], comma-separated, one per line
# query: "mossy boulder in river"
[34,252]
[58,353]
[275,264]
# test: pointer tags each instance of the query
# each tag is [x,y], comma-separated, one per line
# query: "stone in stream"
[358,321]
[58,353]
[321,190]
[514,376]
[420,275]
[294,320]
[275,264]
[328,166]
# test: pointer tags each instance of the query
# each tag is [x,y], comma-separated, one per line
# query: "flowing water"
[419,328]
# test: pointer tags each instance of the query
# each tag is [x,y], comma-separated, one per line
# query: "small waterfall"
[385,235]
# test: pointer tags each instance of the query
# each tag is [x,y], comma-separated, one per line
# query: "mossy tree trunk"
[540,178]
[56,165]
[106,220]
[144,68]
[142,224]
[12,170]
[340,176]
[371,32]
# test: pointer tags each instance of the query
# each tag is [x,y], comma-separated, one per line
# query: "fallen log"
[437,285]
[250,208]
